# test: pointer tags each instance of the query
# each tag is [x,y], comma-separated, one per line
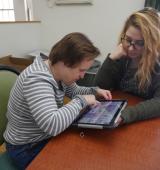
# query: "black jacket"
[110,75]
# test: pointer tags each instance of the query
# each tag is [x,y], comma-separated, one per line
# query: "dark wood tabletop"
[129,147]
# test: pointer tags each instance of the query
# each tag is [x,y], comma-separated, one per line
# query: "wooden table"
[18,63]
[130,147]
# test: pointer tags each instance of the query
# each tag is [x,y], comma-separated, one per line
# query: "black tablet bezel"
[100,126]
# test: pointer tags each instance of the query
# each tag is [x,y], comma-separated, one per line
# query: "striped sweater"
[35,109]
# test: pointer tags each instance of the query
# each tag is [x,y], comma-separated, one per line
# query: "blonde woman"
[134,66]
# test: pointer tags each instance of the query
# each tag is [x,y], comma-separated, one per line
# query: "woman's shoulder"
[121,60]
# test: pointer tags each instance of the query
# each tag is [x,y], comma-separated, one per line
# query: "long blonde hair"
[148,22]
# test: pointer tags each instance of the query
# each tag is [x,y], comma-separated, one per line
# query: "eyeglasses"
[127,42]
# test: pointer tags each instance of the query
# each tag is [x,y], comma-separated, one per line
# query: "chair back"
[8,76]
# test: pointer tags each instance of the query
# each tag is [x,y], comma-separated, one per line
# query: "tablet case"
[112,124]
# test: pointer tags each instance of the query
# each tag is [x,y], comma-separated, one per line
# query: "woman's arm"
[110,73]
[74,89]
[144,110]
[45,108]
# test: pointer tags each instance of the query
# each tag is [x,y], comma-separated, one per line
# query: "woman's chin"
[133,56]
[69,83]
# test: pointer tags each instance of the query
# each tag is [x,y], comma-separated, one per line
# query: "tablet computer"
[104,115]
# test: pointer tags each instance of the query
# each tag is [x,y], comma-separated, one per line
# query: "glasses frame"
[137,44]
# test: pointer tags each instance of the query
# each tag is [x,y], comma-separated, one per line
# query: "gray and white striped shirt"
[35,109]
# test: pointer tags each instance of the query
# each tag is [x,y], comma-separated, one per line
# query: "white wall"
[101,22]
[19,10]
[18,39]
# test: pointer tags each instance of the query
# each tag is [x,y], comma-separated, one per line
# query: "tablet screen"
[102,113]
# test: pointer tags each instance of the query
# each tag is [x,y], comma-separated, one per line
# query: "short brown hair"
[72,49]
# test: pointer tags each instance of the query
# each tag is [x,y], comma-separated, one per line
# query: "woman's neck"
[134,62]
[53,70]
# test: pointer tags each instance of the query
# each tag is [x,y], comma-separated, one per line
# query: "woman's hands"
[91,99]
[118,53]
[101,93]
[106,94]
[120,121]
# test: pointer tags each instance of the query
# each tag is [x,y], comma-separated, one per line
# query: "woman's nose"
[131,47]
